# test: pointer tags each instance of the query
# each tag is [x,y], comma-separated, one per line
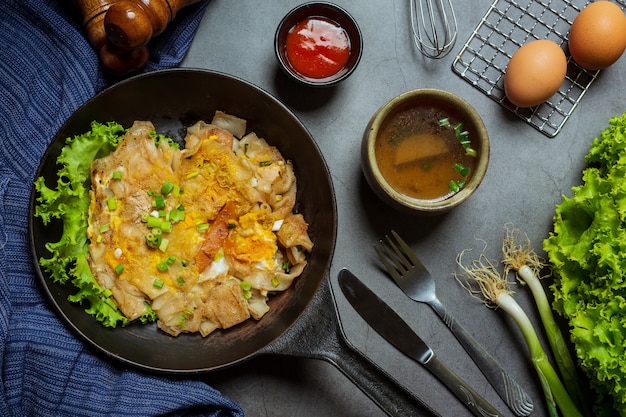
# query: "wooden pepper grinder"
[119,30]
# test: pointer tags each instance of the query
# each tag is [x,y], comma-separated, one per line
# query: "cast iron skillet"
[173,100]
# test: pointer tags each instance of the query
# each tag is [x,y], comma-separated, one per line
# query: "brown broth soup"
[417,152]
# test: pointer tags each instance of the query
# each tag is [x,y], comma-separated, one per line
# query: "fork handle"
[509,390]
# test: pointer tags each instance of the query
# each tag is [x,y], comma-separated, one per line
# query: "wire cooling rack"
[509,24]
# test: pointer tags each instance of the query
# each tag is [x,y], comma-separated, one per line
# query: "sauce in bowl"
[317,47]
[425,151]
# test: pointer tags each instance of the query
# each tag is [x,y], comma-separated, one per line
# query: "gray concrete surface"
[527,176]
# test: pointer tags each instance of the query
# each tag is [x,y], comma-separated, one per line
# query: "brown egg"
[535,72]
[597,37]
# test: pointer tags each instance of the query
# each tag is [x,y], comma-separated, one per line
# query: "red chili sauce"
[317,47]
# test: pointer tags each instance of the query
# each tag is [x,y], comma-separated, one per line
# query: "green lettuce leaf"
[587,250]
[69,203]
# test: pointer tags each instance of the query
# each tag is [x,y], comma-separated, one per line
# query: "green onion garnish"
[117,175]
[154,221]
[111,204]
[461,169]
[157,283]
[159,202]
[167,187]
[119,269]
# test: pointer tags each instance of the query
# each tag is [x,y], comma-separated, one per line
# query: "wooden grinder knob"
[121,29]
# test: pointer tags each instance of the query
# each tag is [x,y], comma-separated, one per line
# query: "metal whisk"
[434,27]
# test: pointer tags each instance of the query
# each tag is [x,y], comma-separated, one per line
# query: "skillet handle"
[318,334]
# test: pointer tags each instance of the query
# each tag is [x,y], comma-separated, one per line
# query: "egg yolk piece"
[535,73]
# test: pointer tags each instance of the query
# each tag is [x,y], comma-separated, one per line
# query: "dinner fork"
[416,281]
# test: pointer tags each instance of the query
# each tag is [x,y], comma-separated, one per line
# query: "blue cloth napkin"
[47,70]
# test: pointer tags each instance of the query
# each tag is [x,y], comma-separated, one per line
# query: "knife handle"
[509,390]
[472,400]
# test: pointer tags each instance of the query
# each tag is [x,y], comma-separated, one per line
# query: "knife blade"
[386,322]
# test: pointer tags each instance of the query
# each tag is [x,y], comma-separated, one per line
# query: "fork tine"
[394,258]
[403,264]
[406,250]
[393,271]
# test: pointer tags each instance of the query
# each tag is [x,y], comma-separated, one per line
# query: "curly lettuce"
[69,203]
[587,250]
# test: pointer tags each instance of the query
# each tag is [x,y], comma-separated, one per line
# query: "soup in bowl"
[425,151]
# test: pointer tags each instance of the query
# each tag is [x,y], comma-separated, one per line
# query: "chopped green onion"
[444,121]
[202,227]
[104,228]
[163,266]
[180,281]
[111,204]
[145,217]
[461,169]
[265,163]
[152,193]
[119,269]
[157,283]
[286,266]
[170,260]
[232,225]
[192,174]
[245,285]
[116,175]
[166,226]
[153,241]
[163,245]
[247,295]
[154,221]
[167,187]
[454,186]
[159,202]
[471,152]
[275,282]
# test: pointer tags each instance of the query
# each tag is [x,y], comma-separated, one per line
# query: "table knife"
[396,331]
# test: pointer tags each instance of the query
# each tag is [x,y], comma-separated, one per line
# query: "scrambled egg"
[201,235]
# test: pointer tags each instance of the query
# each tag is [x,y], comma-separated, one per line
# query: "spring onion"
[202,227]
[159,202]
[167,187]
[158,283]
[111,204]
[154,222]
[482,277]
[461,169]
[522,258]
[119,269]
[117,175]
